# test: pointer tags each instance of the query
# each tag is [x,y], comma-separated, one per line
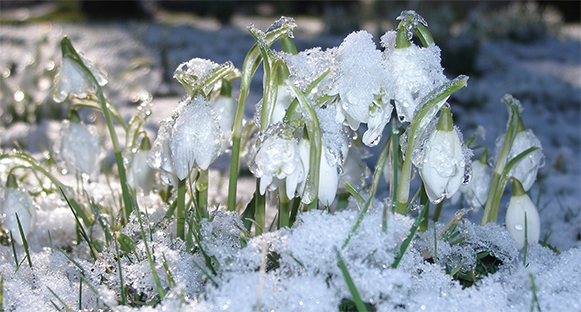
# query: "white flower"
[277,160]
[519,206]
[140,175]
[14,202]
[78,148]
[476,192]
[443,160]
[379,117]
[526,169]
[195,74]
[284,99]
[328,174]
[225,111]
[355,171]
[196,138]
[360,77]
[416,71]
[193,137]
[73,79]
[159,156]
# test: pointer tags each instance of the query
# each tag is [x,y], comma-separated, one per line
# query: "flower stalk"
[68,51]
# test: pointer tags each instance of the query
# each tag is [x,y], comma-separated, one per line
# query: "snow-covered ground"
[545,75]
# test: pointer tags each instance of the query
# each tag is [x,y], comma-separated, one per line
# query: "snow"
[544,75]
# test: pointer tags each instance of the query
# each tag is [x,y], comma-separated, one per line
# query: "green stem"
[424,201]
[310,194]
[202,194]
[251,62]
[259,211]
[437,212]
[181,209]
[496,187]
[395,163]
[283,207]
[296,206]
[114,113]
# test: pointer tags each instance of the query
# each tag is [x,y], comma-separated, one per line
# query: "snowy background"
[531,54]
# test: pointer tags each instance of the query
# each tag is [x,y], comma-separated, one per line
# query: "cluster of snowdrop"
[306,141]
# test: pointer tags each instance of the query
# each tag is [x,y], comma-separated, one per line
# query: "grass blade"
[352,288]
[404,245]
[66,307]
[24,242]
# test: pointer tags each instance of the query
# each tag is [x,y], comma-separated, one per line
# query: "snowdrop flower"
[443,160]
[520,205]
[224,108]
[277,160]
[361,85]
[360,76]
[355,171]
[72,78]
[476,192]
[78,147]
[416,71]
[140,175]
[198,74]
[284,99]
[159,156]
[306,66]
[196,137]
[328,173]
[526,169]
[14,201]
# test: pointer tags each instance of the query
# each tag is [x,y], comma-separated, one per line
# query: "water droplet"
[518,227]
[440,199]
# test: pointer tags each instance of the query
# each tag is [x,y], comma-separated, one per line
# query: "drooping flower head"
[526,169]
[442,159]
[362,85]
[522,215]
[15,201]
[276,159]
[140,175]
[415,72]
[78,147]
[476,191]
[196,137]
[201,126]
[72,78]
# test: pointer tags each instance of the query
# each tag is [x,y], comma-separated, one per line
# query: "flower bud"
[140,175]
[526,169]
[77,147]
[14,201]
[442,164]
[521,210]
[72,77]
